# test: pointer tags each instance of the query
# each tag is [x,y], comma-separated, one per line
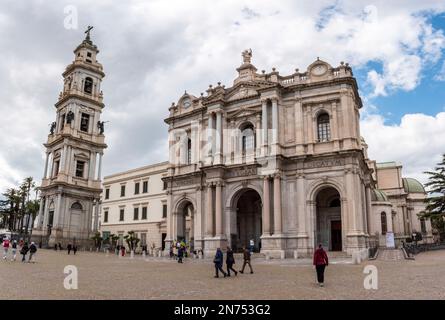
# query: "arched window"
[324,130]
[88,86]
[247,139]
[189,151]
[76,206]
[383,222]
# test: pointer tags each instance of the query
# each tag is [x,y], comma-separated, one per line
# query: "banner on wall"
[390,240]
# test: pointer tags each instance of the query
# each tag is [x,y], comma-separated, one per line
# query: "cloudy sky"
[154,50]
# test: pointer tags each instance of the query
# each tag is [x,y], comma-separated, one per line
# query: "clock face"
[186,103]
[318,70]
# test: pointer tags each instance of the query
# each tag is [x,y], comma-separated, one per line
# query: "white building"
[136,200]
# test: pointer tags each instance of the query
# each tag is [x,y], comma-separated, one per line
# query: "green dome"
[378,195]
[412,186]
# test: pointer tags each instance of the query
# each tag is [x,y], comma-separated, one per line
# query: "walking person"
[5,248]
[24,251]
[180,254]
[74,249]
[320,262]
[230,261]
[69,247]
[246,257]
[14,250]
[32,251]
[218,261]
[252,245]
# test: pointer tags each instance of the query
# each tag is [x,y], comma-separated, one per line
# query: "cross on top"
[88,32]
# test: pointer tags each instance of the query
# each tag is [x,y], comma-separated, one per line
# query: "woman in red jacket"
[320,263]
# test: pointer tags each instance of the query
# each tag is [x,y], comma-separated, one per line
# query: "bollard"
[132,254]
[267,256]
[295,254]
[143,255]
[282,255]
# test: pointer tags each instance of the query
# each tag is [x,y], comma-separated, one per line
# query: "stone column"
[96,216]
[264,127]
[277,204]
[45,172]
[41,212]
[63,159]
[218,143]
[266,207]
[209,211]
[210,134]
[369,210]
[258,135]
[58,211]
[275,121]
[99,170]
[92,172]
[301,216]
[218,209]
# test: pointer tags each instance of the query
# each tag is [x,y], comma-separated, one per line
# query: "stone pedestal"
[356,241]
[273,246]
[211,244]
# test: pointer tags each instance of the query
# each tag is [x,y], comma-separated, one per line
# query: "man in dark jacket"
[24,251]
[218,261]
[246,256]
[230,261]
[32,251]
[320,262]
[69,247]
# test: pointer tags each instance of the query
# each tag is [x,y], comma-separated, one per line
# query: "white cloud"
[417,142]
[440,76]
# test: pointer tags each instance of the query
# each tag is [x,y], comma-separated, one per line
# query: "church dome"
[379,195]
[411,185]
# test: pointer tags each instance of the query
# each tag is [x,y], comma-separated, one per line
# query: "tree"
[113,238]
[132,240]
[97,240]
[435,208]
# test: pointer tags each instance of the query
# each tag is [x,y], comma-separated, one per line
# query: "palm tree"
[113,239]
[13,201]
[29,184]
[97,240]
[132,240]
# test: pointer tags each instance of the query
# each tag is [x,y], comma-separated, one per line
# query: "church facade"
[71,185]
[280,160]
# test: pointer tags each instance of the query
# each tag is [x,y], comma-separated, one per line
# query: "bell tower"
[71,184]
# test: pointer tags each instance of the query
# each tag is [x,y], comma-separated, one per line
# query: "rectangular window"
[80,166]
[121,215]
[62,122]
[105,216]
[164,211]
[144,213]
[136,188]
[164,187]
[84,122]
[107,193]
[123,191]
[145,187]
[136,214]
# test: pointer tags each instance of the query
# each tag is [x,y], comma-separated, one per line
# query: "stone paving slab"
[102,277]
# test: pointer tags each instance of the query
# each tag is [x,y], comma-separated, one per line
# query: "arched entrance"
[328,219]
[248,220]
[185,223]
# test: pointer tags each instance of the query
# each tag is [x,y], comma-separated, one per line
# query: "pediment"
[242,93]
[243,112]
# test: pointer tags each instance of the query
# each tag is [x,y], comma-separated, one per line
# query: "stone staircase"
[390,254]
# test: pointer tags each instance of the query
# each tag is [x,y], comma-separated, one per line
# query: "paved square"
[102,277]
